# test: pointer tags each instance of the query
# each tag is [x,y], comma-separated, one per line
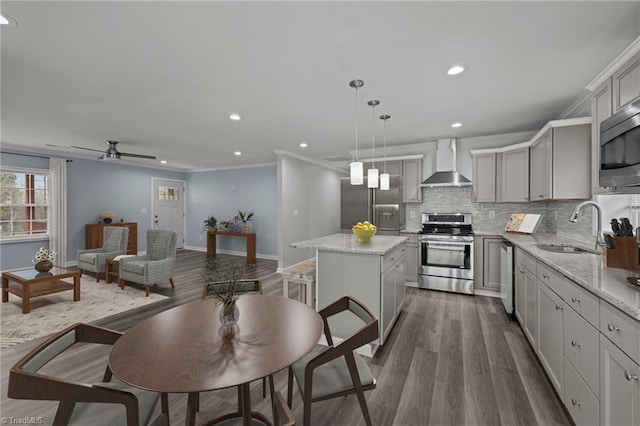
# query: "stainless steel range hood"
[446,173]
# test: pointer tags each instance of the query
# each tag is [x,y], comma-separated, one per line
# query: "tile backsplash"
[492,217]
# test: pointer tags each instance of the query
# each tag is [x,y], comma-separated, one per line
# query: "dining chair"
[336,370]
[114,243]
[108,402]
[154,266]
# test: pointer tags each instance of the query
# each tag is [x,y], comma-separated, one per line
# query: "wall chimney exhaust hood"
[446,173]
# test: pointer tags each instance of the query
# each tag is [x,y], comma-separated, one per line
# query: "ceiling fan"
[112,152]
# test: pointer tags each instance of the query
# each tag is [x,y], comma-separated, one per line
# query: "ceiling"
[163,77]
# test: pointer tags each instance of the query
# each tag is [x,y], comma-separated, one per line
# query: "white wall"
[313,191]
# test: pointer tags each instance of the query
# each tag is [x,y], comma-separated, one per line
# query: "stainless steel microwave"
[620,148]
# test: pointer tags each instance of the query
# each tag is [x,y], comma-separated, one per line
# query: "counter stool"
[304,274]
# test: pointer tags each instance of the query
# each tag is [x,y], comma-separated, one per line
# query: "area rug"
[54,312]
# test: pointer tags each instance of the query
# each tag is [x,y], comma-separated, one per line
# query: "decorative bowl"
[364,235]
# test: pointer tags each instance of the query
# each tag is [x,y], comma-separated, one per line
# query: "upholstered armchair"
[114,244]
[153,267]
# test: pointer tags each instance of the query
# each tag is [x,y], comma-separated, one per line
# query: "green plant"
[210,223]
[244,216]
[223,282]
[225,224]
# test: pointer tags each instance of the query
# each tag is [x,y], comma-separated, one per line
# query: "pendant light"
[355,168]
[372,173]
[384,177]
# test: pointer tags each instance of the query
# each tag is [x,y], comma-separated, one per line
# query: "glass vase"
[229,314]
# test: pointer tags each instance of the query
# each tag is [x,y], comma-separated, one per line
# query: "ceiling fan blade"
[88,149]
[126,154]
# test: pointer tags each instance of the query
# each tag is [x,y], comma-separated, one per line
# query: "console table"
[251,243]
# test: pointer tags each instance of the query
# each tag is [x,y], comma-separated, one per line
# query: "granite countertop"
[348,243]
[585,269]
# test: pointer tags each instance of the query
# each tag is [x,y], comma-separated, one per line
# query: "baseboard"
[487,293]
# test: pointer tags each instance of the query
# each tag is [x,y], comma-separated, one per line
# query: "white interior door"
[168,207]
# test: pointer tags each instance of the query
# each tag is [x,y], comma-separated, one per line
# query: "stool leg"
[309,296]
[285,288]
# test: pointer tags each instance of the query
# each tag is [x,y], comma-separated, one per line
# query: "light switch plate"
[492,214]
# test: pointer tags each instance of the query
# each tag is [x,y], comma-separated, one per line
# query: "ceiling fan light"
[372,178]
[356,174]
[384,181]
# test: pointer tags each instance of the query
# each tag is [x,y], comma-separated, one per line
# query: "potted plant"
[210,224]
[107,217]
[224,285]
[44,259]
[245,217]
[224,224]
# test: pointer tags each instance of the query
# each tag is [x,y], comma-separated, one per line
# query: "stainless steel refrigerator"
[382,208]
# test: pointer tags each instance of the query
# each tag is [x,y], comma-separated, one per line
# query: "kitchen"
[578,309]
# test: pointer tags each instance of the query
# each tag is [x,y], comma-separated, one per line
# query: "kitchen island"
[372,272]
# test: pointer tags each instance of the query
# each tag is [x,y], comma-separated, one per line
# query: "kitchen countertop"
[585,269]
[348,243]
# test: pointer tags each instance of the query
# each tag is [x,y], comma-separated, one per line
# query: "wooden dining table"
[186,350]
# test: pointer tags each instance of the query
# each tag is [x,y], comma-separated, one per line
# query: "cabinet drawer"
[582,348]
[526,260]
[391,257]
[581,403]
[553,279]
[620,329]
[583,302]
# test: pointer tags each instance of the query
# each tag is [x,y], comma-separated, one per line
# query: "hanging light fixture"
[372,173]
[384,177]
[355,168]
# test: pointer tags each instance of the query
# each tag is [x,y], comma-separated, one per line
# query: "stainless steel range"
[445,247]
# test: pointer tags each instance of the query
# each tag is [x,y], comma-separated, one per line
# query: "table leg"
[5,289]
[192,402]
[246,405]
[76,287]
[26,298]
[211,243]
[251,249]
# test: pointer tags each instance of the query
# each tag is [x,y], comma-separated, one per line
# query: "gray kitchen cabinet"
[520,292]
[619,386]
[393,289]
[514,176]
[527,295]
[582,404]
[550,349]
[487,263]
[412,177]
[601,109]
[411,257]
[626,83]
[483,177]
[560,161]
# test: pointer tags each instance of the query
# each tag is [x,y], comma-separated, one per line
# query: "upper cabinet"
[613,89]
[514,176]
[484,177]
[561,161]
[626,83]
[412,177]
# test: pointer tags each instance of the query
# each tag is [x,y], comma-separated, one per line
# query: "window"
[168,193]
[24,203]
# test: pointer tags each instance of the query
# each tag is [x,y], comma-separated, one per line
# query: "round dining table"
[186,350]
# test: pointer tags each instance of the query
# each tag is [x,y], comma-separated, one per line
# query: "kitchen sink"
[566,248]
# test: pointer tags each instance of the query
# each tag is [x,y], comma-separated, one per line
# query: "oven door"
[446,257]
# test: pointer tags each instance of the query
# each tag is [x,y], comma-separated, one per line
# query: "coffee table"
[30,283]
[184,349]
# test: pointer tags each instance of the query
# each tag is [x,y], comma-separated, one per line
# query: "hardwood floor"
[451,359]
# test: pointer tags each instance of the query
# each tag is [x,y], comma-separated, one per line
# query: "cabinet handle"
[630,376]
[574,343]
[575,300]
[545,276]
[558,308]
[540,196]
[522,272]
[613,327]
[574,402]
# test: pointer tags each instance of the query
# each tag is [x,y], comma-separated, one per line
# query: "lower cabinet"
[582,404]
[393,290]
[411,257]
[531,308]
[619,387]
[486,263]
[550,348]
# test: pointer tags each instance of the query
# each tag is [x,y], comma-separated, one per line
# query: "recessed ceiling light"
[237,153]
[456,69]
[7,21]
[303,145]
[234,117]
[456,125]
[163,161]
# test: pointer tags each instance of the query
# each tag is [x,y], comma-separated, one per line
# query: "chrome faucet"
[574,218]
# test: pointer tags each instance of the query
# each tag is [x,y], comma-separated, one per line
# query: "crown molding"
[583,102]
[626,54]
[245,166]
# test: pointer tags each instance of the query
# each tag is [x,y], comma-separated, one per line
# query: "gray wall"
[313,191]
[222,193]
